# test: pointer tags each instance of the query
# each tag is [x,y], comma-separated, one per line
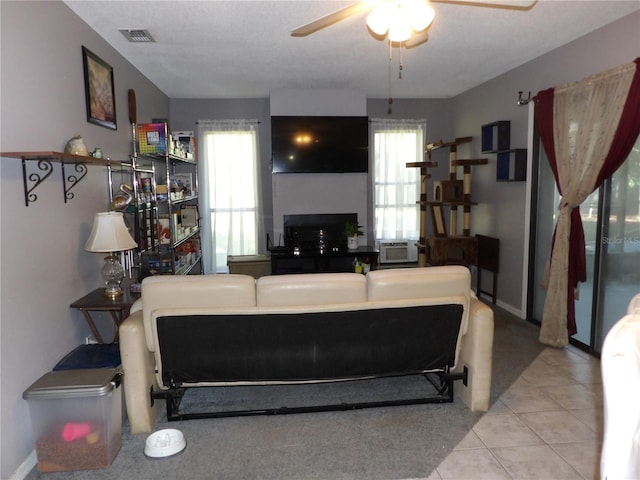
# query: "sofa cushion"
[311,289]
[421,283]
[194,291]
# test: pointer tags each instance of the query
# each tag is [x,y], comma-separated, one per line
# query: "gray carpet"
[389,443]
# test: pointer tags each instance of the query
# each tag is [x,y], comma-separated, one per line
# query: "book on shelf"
[152,138]
[189,215]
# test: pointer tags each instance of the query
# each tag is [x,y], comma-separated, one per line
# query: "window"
[228,152]
[396,187]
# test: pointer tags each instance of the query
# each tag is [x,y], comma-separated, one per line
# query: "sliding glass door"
[619,265]
[611,221]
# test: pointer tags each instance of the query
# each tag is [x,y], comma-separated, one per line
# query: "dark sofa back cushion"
[309,346]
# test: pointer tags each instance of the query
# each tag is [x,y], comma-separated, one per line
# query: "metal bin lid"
[88,382]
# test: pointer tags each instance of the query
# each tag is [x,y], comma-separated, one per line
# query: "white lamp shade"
[109,234]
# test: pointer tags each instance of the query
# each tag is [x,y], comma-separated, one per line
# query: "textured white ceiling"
[243,49]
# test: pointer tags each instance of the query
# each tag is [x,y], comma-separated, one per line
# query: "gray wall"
[501,205]
[501,208]
[437,113]
[43,263]
[319,193]
[185,114]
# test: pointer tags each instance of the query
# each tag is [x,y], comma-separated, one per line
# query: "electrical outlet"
[89,340]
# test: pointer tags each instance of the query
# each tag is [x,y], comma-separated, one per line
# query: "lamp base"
[113,273]
[113,291]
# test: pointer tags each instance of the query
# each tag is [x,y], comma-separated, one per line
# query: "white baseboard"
[505,306]
[23,470]
[511,309]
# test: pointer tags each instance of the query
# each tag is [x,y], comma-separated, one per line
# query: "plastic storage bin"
[77,418]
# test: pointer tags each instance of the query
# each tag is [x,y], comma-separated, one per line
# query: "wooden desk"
[96,301]
[255,265]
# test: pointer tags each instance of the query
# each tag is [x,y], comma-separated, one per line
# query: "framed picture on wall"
[99,90]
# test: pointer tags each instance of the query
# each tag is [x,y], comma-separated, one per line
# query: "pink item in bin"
[74,431]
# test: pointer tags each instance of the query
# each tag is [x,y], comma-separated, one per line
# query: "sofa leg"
[173,397]
[444,383]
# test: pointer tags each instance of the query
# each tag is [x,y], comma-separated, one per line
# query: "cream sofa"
[620,364]
[179,334]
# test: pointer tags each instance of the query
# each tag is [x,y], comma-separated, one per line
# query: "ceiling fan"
[404,22]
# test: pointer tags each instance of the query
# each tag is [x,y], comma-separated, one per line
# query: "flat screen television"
[319,144]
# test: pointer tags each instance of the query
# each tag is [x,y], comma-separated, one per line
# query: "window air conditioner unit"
[397,251]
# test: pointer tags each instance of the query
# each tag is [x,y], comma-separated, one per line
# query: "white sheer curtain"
[396,187]
[586,117]
[228,162]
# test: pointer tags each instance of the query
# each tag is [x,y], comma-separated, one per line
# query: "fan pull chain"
[390,99]
[400,63]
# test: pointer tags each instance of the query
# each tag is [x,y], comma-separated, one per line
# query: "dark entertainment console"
[317,261]
[316,243]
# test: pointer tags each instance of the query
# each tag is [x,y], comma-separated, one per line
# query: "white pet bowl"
[164,443]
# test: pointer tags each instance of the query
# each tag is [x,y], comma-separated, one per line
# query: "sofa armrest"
[476,354]
[139,375]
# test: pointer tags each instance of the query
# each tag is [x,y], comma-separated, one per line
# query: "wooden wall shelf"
[496,136]
[45,162]
[57,157]
[511,163]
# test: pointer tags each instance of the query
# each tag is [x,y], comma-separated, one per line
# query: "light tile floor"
[547,425]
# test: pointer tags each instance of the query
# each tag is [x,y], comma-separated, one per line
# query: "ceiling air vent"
[137,35]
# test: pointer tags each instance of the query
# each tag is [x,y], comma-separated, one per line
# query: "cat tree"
[447,247]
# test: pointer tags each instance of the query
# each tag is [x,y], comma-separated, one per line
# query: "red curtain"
[625,137]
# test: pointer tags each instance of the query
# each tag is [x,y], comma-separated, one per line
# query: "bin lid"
[88,382]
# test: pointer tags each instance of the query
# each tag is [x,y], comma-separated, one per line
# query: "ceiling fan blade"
[417,39]
[330,19]
[506,4]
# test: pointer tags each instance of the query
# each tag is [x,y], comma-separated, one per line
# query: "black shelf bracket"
[44,168]
[68,182]
[34,178]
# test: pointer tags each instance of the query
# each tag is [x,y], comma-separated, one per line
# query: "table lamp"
[110,234]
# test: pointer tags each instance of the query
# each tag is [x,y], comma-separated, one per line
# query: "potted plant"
[352,231]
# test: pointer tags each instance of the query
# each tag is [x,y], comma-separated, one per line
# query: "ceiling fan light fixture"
[421,15]
[378,19]
[399,31]
[400,18]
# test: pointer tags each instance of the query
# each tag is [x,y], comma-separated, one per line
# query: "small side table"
[488,259]
[96,301]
